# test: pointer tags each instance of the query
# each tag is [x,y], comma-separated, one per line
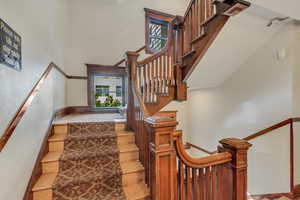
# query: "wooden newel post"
[162,158]
[131,66]
[239,150]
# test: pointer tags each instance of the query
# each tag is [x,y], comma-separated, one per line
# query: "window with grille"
[158,34]
[157,30]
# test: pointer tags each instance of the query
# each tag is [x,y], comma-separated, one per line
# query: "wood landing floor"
[105,117]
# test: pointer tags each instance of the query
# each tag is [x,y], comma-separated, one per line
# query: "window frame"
[104,70]
[151,15]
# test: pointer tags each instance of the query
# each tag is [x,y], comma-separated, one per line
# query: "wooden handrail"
[269,129]
[203,162]
[27,102]
[283,123]
[123,60]
[188,144]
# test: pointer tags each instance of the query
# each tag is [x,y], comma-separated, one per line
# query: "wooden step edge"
[136,166]
[51,157]
[45,182]
[124,133]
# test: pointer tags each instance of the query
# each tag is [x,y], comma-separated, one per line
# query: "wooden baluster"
[156,79]
[160,74]
[140,79]
[188,182]
[214,183]
[197,18]
[164,74]
[148,83]
[171,70]
[220,181]
[202,15]
[167,72]
[145,83]
[191,30]
[181,180]
[201,184]
[152,81]
[208,183]
[208,9]
[196,194]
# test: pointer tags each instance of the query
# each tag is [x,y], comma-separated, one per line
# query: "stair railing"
[198,12]
[156,74]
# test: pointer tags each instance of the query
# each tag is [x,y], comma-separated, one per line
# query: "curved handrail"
[207,161]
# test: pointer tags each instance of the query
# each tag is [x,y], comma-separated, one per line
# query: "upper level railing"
[198,12]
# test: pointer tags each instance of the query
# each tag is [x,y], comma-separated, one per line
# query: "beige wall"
[102,31]
[256,96]
[41,25]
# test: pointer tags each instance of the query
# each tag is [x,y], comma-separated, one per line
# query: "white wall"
[102,31]
[256,96]
[41,25]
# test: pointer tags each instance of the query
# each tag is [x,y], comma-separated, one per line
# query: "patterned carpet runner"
[89,168]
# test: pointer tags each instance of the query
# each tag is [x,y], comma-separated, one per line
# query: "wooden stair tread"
[57,138]
[51,156]
[44,182]
[127,148]
[136,191]
[131,167]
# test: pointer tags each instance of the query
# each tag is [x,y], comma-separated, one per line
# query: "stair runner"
[89,168]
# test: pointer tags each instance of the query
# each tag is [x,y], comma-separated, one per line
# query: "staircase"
[132,172]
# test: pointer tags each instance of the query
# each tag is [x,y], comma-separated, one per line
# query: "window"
[102,90]
[157,30]
[158,34]
[118,91]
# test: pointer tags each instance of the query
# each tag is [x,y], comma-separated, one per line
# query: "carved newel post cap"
[235,143]
[161,121]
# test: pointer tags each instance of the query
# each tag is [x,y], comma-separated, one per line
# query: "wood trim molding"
[273,196]
[154,14]
[101,69]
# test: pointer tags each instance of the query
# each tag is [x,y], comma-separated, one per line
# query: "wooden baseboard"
[273,196]
[37,170]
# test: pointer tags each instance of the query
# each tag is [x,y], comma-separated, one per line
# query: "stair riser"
[53,167]
[56,146]
[43,195]
[128,156]
[120,126]
[126,139]
[60,129]
[133,178]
